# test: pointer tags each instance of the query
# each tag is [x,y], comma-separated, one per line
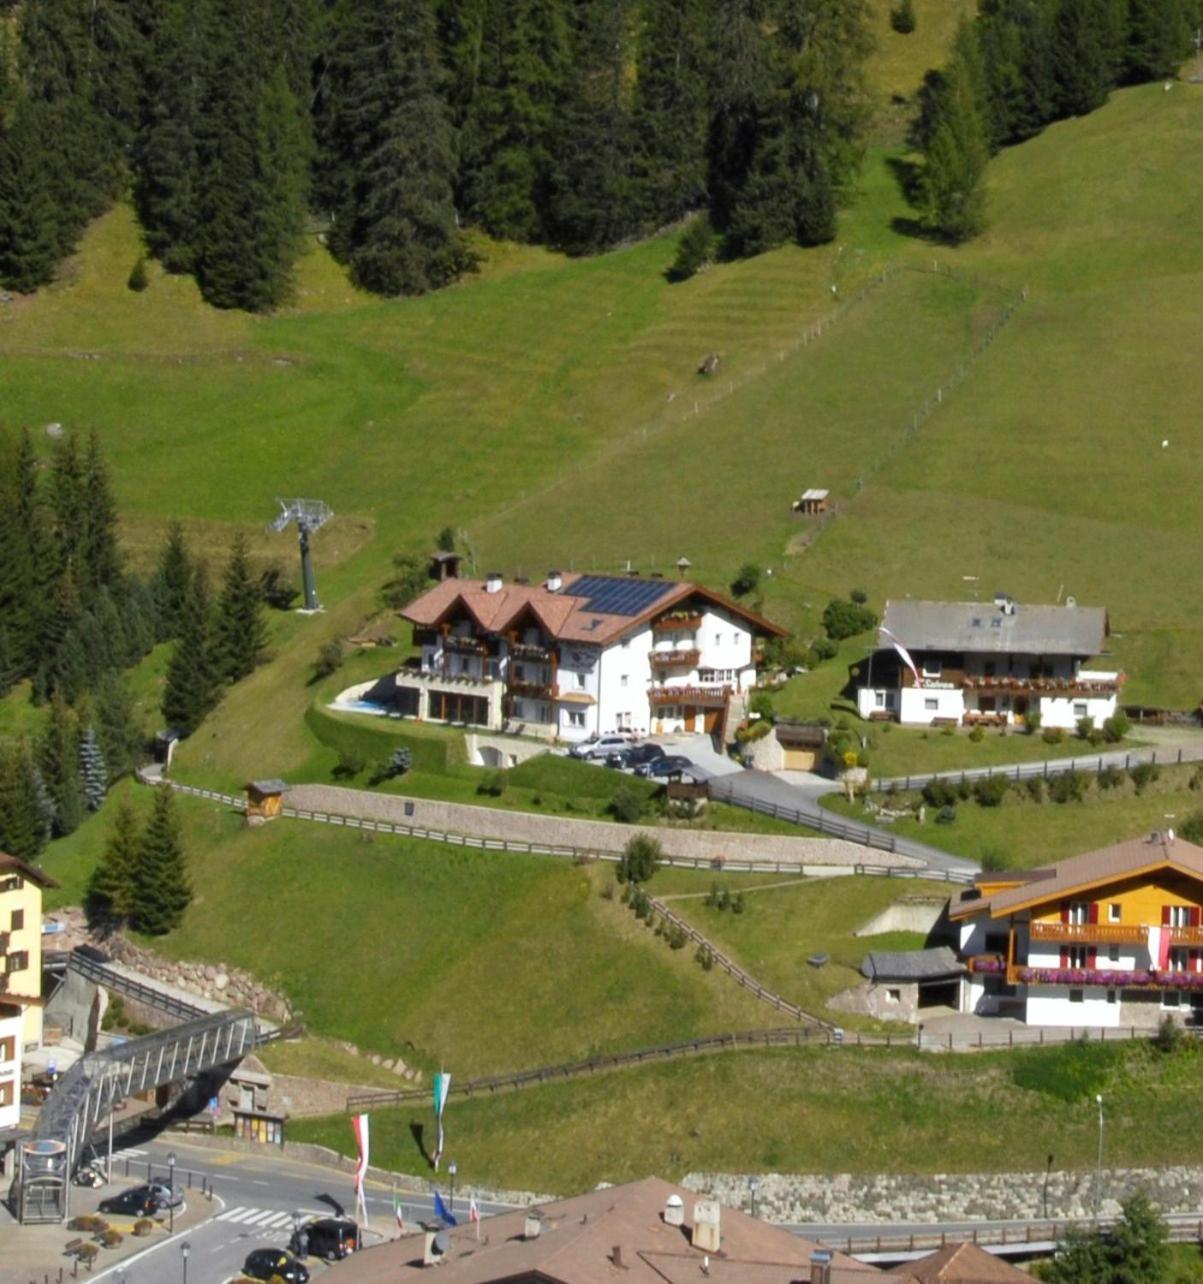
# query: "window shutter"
[1092,957]
[1194,916]
[1064,911]
[1165,916]
[1064,957]
[1092,913]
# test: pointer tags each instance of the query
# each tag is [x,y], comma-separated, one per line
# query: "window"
[1171,999]
[519,673]
[1079,913]
[988,669]
[580,679]
[1110,996]
[1077,955]
[576,719]
[623,681]
[1113,954]
[1115,913]
[626,642]
[1179,960]
[893,996]
[1180,916]
[1077,996]
[18,961]
[718,639]
[879,699]
[10,884]
[1079,708]
[930,704]
[18,920]
[8,1048]
[931,668]
[6,1092]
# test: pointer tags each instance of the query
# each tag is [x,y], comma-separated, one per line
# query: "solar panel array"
[613,595]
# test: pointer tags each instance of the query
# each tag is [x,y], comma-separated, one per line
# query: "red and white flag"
[473,1212]
[359,1124]
[904,654]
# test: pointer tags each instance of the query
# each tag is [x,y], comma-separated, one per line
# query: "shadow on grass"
[418,1131]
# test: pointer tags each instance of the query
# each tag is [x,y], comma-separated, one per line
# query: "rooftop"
[15,865]
[984,626]
[912,965]
[958,1264]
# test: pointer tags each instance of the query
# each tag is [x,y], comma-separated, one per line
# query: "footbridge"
[99,1081]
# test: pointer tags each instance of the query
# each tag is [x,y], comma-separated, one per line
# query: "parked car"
[601,746]
[138,1202]
[275,1263]
[330,1237]
[670,764]
[634,756]
[168,1196]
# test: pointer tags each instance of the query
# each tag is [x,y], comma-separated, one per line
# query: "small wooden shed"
[264,800]
[812,503]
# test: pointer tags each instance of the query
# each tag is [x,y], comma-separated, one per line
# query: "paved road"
[256,1198]
[748,788]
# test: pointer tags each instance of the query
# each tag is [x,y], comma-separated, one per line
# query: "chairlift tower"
[309,515]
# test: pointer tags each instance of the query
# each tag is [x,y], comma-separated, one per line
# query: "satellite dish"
[442,1242]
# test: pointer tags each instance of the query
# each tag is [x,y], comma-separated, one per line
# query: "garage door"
[799,760]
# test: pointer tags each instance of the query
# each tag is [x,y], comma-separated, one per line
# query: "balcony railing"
[700,697]
[437,678]
[677,624]
[987,964]
[1110,978]
[535,690]
[1082,685]
[687,657]
[1186,936]
[1101,933]
[529,651]
[465,646]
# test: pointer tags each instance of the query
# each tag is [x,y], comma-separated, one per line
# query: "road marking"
[259,1218]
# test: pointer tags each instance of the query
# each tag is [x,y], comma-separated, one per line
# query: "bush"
[695,249]
[1053,735]
[737,905]
[1110,778]
[964,790]
[724,900]
[747,580]
[824,649]
[1035,788]
[902,17]
[1143,775]
[640,859]
[1169,1037]
[91,1223]
[993,859]
[627,805]
[846,619]
[493,785]
[1192,828]
[111,1238]
[1085,728]
[1117,726]
[784,653]
[977,735]
[138,278]
[712,897]
[761,703]
[329,660]
[939,793]
[705,958]
[946,815]
[677,939]
[1196,781]
[1031,721]
[143,1227]
[1068,786]
[349,764]
[991,790]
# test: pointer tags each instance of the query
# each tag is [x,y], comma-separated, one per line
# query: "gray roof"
[912,965]
[268,786]
[982,626]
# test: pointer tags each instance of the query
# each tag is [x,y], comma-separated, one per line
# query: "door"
[710,720]
[799,760]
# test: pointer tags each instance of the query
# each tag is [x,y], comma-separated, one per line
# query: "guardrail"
[112,979]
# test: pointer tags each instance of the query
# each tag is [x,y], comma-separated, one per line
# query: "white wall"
[869,699]
[1050,1005]
[10,1072]
[1058,711]
[578,661]
[913,704]
[624,678]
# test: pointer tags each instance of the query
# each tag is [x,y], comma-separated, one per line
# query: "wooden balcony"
[534,690]
[686,657]
[1186,936]
[684,623]
[1082,685]
[465,646]
[698,697]
[1092,933]
[530,651]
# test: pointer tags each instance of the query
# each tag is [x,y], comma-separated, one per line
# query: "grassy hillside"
[812,1111]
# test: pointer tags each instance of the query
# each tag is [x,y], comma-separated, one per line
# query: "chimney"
[820,1266]
[674,1211]
[555,581]
[706,1214]
[493,582]
[533,1224]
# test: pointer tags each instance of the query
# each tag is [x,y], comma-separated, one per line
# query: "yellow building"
[21,888]
[1110,938]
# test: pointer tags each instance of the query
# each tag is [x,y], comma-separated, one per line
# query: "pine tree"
[388,152]
[69,500]
[239,634]
[672,112]
[1080,58]
[593,202]
[31,232]
[111,888]
[160,889]
[118,727]
[99,539]
[93,771]
[191,688]
[58,761]
[23,821]
[18,606]
[505,141]
[172,580]
[1158,38]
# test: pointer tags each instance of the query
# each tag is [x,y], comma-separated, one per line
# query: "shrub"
[143,1227]
[747,580]
[1068,786]
[92,1223]
[737,905]
[784,653]
[964,790]
[761,703]
[859,596]
[677,939]
[977,735]
[724,900]
[1053,735]
[1031,721]
[1196,781]
[640,858]
[993,859]
[946,815]
[1143,775]
[705,958]
[329,660]
[493,785]
[846,619]
[824,649]
[627,805]
[138,279]
[902,17]
[939,793]
[1085,728]
[111,1238]
[349,764]
[1192,828]
[712,896]
[991,790]
[86,1252]
[1169,1037]
[1117,726]
[1035,788]
[695,249]
[950,731]
[1110,778]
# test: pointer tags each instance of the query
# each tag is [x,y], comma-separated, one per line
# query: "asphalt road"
[255,1200]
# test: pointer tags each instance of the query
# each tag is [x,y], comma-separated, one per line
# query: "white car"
[602,747]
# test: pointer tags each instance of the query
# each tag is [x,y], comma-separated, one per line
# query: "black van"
[330,1237]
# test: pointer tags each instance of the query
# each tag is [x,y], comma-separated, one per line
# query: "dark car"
[635,756]
[275,1263]
[330,1237]
[671,764]
[141,1201]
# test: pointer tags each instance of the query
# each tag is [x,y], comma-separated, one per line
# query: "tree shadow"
[417,1132]
[907,173]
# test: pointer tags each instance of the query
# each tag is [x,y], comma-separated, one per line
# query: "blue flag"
[441,1210]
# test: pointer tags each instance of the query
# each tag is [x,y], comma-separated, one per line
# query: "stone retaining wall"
[595,835]
[905,1197]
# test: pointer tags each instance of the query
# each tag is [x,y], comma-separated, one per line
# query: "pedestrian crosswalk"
[265,1219]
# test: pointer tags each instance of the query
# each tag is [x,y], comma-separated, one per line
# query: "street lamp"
[1048,1168]
[753,1187]
[452,1169]
[171,1199]
[185,1249]
[1098,1174]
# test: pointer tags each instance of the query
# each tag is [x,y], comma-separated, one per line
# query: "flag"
[904,654]
[399,1214]
[473,1211]
[442,1211]
[442,1086]
[359,1123]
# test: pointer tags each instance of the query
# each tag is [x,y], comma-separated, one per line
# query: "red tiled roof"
[963,1263]
[31,872]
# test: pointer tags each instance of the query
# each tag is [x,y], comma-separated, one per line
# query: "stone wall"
[904,1197]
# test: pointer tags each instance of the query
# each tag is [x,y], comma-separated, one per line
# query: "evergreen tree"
[671,111]
[58,761]
[111,888]
[240,633]
[160,891]
[505,142]
[23,822]
[461,39]
[593,203]
[18,605]
[1157,38]
[69,499]
[31,233]
[94,773]
[172,581]
[1015,40]
[388,150]
[100,557]
[118,727]
[61,663]
[191,688]
[1080,58]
